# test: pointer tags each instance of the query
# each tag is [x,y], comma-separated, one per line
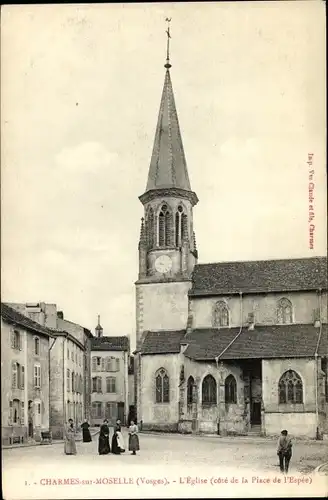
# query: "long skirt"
[115,446]
[120,441]
[86,436]
[134,442]
[103,445]
[70,446]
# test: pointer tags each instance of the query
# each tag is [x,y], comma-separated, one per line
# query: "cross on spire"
[168,65]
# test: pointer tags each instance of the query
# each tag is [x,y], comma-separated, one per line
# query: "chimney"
[251,321]
[60,315]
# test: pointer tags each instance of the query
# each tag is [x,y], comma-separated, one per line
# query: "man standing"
[284,451]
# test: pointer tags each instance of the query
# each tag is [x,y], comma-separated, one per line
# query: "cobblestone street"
[161,456]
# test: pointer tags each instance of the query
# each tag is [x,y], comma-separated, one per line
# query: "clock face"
[163,264]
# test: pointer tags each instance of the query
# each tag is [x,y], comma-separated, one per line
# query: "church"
[228,348]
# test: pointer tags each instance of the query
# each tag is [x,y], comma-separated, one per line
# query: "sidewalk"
[78,439]
[240,438]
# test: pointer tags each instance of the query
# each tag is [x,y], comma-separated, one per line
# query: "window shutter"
[14,376]
[107,364]
[22,378]
[22,416]
[98,384]
[102,364]
[117,365]
[10,416]
[13,339]
[94,363]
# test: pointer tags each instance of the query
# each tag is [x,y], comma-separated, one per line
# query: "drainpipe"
[49,374]
[230,344]
[316,366]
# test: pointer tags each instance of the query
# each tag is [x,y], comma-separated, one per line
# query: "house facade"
[25,403]
[70,376]
[110,358]
[229,347]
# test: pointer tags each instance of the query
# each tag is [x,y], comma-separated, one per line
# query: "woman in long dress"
[118,445]
[103,444]
[133,438]
[69,443]
[86,432]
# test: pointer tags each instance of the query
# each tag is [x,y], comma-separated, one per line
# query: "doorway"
[256,413]
[120,411]
[30,419]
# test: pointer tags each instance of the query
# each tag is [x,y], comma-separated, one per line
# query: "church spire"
[168,166]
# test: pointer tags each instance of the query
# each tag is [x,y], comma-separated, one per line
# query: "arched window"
[209,390]
[290,388]
[150,228]
[162,387]
[220,314]
[284,312]
[230,390]
[164,226]
[190,390]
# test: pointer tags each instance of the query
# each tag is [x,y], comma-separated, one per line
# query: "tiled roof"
[110,344]
[12,316]
[274,341]
[259,276]
[162,342]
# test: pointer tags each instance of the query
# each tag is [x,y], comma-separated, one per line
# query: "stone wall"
[298,419]
[161,306]
[57,381]
[159,416]
[264,307]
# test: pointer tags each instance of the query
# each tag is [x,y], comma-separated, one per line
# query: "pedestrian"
[86,432]
[284,451]
[69,443]
[133,438]
[118,445]
[103,443]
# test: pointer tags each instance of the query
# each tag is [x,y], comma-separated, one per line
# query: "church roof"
[272,341]
[14,317]
[168,167]
[162,342]
[110,344]
[259,276]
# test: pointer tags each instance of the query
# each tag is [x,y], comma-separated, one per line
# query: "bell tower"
[167,246]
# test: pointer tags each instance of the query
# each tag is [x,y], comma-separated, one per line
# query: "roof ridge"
[259,260]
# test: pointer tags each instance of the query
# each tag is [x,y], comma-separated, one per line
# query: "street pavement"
[164,463]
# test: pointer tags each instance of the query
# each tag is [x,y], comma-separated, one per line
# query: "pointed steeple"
[168,166]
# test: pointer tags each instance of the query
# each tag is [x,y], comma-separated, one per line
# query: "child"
[133,438]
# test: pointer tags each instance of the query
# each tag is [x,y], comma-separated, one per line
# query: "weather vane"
[168,65]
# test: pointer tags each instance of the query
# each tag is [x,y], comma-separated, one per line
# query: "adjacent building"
[110,360]
[228,347]
[25,381]
[69,355]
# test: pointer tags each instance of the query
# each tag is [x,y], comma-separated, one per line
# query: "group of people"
[104,448]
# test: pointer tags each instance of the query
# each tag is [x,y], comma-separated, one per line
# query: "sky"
[81,88]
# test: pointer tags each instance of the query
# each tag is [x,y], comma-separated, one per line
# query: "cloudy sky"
[81,89]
